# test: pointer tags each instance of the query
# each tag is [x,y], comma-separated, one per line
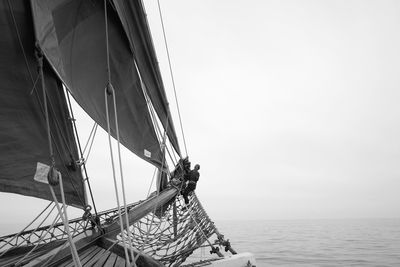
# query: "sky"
[290,107]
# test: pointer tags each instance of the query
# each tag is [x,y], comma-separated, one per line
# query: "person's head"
[197,167]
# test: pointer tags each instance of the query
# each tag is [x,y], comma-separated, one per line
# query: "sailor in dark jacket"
[191,177]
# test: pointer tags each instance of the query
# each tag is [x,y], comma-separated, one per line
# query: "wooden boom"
[106,237]
[139,211]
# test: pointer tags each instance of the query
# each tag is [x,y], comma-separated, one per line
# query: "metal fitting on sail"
[53,176]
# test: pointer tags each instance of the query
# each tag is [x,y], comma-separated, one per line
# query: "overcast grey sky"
[290,107]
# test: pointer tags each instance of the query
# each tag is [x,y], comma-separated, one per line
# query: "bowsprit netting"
[170,236]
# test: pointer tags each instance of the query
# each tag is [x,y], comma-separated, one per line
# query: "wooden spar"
[175,219]
[109,231]
[142,210]
[142,260]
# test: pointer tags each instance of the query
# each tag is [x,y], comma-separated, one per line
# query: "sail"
[23,129]
[135,24]
[72,35]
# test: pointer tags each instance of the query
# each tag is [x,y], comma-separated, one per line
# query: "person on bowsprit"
[182,168]
[191,178]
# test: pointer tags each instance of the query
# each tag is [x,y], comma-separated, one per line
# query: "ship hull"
[245,259]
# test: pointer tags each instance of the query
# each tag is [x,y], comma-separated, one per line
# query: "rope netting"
[171,235]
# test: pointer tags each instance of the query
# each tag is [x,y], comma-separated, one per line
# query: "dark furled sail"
[23,130]
[72,36]
[134,20]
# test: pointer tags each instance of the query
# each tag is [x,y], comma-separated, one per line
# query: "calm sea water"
[353,242]
[361,242]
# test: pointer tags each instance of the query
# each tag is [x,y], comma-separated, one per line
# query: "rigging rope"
[34,82]
[64,218]
[20,43]
[26,227]
[158,187]
[202,232]
[174,159]
[80,150]
[110,90]
[90,140]
[172,75]
[90,136]
[152,181]
[39,55]
[58,216]
[56,253]
[153,115]
[171,233]
[121,171]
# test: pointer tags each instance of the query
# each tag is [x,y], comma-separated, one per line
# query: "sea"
[324,242]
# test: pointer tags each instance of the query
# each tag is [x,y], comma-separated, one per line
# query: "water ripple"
[363,242]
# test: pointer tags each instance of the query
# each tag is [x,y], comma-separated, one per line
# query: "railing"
[166,231]
[47,234]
